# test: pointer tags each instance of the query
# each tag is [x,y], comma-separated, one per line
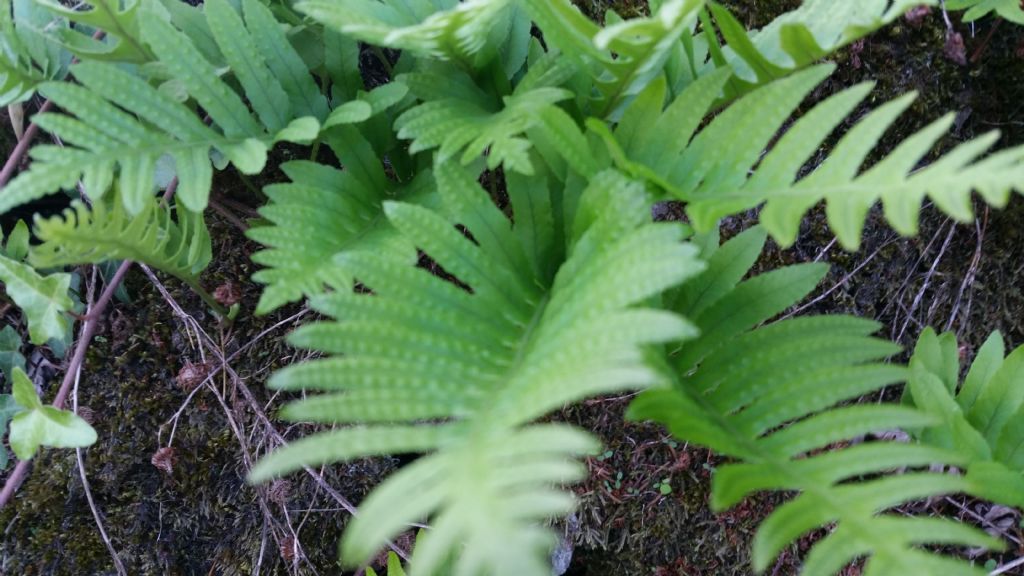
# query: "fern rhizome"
[472,222]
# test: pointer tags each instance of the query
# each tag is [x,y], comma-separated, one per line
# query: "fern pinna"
[769,398]
[342,209]
[461,370]
[715,185]
[172,239]
[122,121]
[982,418]
[1011,10]
[27,59]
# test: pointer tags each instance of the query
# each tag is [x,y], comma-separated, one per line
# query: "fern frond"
[174,240]
[976,9]
[567,29]
[29,55]
[325,212]
[624,57]
[768,398]
[462,120]
[465,371]
[434,28]
[121,123]
[716,184]
[982,419]
[118,19]
[641,47]
[792,41]
[366,105]
[628,55]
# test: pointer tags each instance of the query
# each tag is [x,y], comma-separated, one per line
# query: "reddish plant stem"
[14,481]
[984,43]
[19,151]
[30,134]
[88,331]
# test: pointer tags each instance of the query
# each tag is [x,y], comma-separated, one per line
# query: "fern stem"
[22,147]
[247,182]
[228,215]
[210,301]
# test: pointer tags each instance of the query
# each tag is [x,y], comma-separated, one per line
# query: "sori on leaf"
[537,319]
[780,400]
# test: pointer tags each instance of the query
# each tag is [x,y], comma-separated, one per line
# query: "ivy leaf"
[41,425]
[43,300]
[8,408]
[10,356]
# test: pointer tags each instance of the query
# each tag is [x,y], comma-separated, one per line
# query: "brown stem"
[88,330]
[19,151]
[984,43]
[228,215]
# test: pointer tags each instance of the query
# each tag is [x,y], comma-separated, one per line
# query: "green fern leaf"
[265,93]
[977,9]
[983,419]
[792,41]
[624,57]
[284,62]
[174,240]
[190,20]
[767,397]
[567,29]
[324,212]
[121,123]
[716,185]
[642,47]
[29,54]
[367,104]
[461,120]
[435,28]
[122,40]
[465,371]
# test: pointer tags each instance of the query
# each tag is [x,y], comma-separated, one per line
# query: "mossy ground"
[201,518]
